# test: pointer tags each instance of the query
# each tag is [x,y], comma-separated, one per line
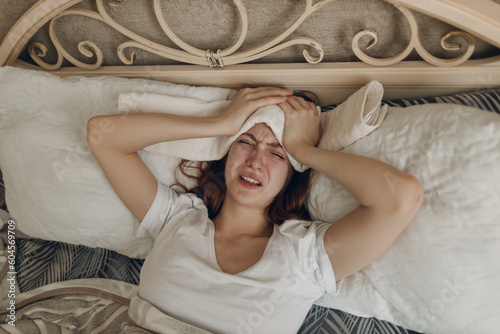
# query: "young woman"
[241,257]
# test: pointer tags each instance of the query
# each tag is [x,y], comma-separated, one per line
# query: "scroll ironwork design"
[230,56]
[186,53]
[414,44]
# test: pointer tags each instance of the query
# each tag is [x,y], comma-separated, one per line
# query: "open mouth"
[250,180]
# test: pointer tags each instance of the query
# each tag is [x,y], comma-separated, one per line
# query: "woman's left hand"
[302,123]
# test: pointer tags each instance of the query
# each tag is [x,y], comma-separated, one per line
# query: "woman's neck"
[236,220]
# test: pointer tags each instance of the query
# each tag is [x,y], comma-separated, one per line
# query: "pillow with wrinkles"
[440,276]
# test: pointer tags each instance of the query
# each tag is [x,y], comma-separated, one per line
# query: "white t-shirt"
[181,276]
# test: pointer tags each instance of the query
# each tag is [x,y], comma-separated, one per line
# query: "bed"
[69,261]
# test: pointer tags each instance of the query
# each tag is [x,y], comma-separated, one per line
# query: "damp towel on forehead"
[355,118]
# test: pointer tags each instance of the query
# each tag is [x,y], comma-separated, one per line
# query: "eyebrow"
[275,144]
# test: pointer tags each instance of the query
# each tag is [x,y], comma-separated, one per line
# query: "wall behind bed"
[216,24]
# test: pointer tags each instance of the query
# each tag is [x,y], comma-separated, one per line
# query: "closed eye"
[245,142]
[280,156]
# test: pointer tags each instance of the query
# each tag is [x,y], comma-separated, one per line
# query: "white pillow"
[55,189]
[442,275]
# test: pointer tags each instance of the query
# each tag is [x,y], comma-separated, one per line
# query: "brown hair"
[211,187]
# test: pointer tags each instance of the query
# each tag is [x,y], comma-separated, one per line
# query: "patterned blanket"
[87,306]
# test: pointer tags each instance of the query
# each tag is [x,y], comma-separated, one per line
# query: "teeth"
[248,179]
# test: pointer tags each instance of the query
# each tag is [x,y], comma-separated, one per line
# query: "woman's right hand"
[246,102]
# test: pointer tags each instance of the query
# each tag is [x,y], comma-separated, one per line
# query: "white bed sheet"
[441,276]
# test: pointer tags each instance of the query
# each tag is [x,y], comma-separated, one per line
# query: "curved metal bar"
[195,51]
[169,32]
[414,44]
[246,57]
[18,36]
[376,61]
[452,46]
[309,9]
[244,29]
[189,54]
[218,59]
[184,57]
[38,50]
[139,39]
[87,48]
[478,18]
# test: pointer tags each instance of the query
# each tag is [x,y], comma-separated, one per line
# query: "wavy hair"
[210,185]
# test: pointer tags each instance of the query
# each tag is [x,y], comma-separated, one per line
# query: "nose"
[256,159]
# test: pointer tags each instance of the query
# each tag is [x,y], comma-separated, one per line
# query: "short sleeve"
[166,204]
[306,238]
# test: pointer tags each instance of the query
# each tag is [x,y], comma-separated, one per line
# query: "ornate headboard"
[408,69]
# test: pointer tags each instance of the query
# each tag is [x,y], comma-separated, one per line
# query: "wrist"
[225,125]
[299,151]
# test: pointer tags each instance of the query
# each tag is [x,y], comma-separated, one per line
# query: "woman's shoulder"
[182,196]
[295,228]
[173,208]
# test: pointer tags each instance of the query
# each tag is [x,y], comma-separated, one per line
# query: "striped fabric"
[486,100]
[40,262]
[324,320]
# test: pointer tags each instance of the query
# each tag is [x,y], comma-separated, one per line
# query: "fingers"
[265,101]
[256,98]
[302,116]
[247,101]
[285,106]
[269,91]
[298,102]
[295,103]
[275,93]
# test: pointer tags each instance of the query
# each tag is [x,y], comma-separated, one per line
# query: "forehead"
[262,132]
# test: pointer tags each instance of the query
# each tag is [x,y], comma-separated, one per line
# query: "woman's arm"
[115,139]
[389,198]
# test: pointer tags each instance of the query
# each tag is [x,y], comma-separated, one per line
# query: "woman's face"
[257,167]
